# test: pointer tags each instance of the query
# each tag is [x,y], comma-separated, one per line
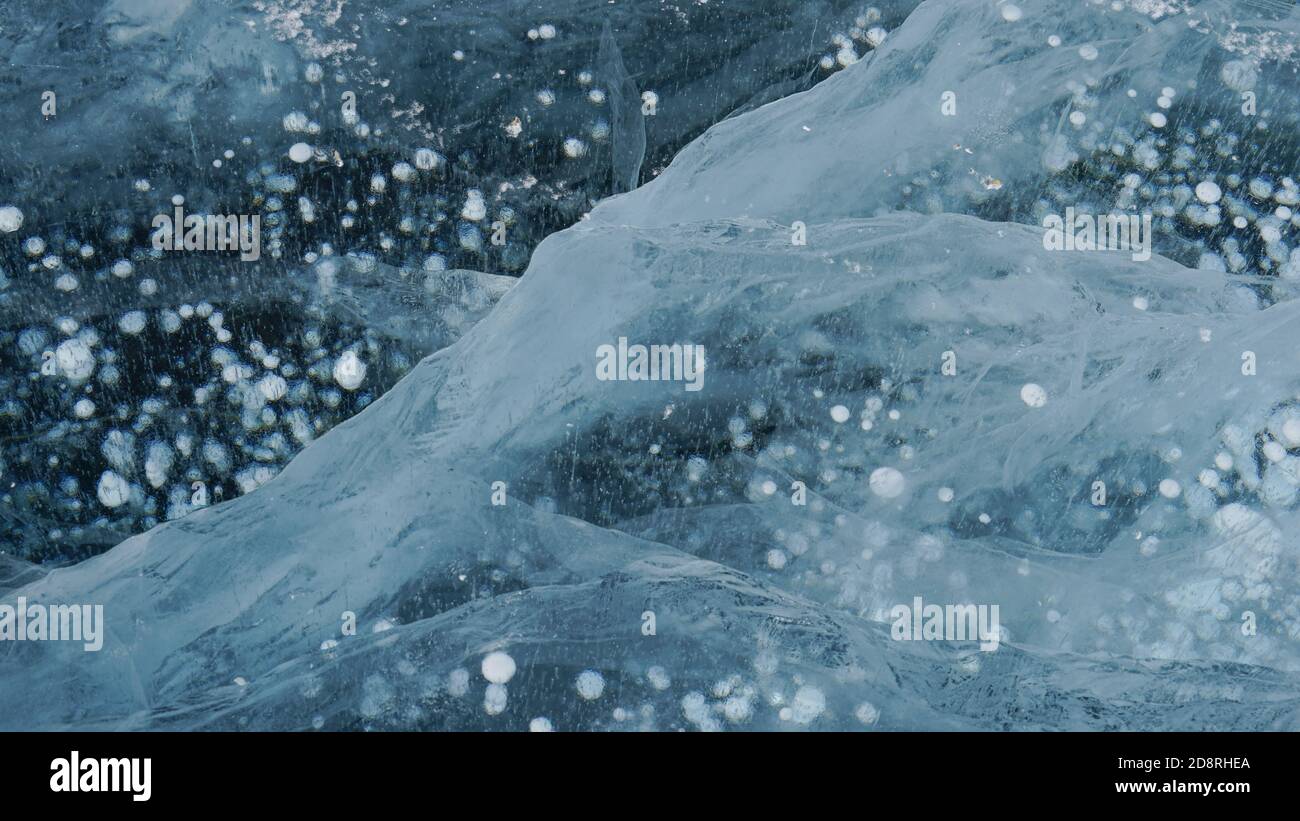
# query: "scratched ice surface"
[823,368]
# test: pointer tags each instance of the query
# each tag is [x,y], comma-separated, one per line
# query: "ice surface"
[370,136]
[161,88]
[627,498]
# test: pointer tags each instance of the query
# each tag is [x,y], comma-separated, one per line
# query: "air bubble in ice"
[886,482]
[574,148]
[11,219]
[295,121]
[131,322]
[498,667]
[1033,395]
[113,490]
[349,371]
[590,685]
[74,359]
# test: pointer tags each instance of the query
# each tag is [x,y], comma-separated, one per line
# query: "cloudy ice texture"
[631,498]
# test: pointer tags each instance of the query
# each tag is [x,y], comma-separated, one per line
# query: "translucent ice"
[1019,433]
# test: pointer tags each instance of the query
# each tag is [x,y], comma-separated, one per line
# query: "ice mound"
[939,390]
